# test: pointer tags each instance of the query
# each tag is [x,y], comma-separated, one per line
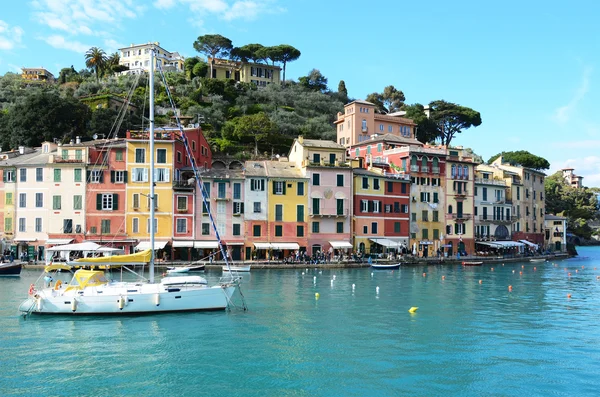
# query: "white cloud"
[111,46]
[58,41]
[584,144]
[563,114]
[224,9]
[15,68]
[10,37]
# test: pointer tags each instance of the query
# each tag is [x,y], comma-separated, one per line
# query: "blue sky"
[529,67]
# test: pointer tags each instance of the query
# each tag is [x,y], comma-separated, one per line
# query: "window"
[435,217]
[107,201]
[23,175]
[206,187]
[119,155]
[39,200]
[300,213]
[38,225]
[221,190]
[57,175]
[205,229]
[238,207]
[381,127]
[278,230]
[140,155]
[339,227]
[374,227]
[316,179]
[425,234]
[390,187]
[278,187]
[237,191]
[237,229]
[256,207]
[257,185]
[161,175]
[278,212]
[136,201]
[9,198]
[365,229]
[376,206]
[435,197]
[67,225]
[396,227]
[56,202]
[182,203]
[96,176]
[22,200]
[300,189]
[77,202]
[77,175]
[315,227]
[148,225]
[135,225]
[8,224]
[413,216]
[39,174]
[256,231]
[425,216]
[364,126]
[365,182]
[316,206]
[339,203]
[105,226]
[316,158]
[78,154]
[139,175]
[22,224]
[161,156]
[9,175]
[484,193]
[340,180]
[181,225]
[300,231]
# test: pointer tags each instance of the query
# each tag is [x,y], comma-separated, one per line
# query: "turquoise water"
[466,338]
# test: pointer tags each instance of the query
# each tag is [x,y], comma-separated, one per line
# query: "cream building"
[137,58]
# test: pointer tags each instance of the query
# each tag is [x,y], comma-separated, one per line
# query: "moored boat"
[538,260]
[236,268]
[382,266]
[10,269]
[472,263]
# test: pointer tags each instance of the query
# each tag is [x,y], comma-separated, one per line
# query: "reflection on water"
[467,337]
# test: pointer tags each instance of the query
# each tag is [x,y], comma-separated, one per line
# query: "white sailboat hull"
[129,298]
[237,268]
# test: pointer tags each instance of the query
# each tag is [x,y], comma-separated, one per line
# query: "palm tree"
[95,58]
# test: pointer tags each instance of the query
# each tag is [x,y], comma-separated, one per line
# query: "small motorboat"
[10,269]
[538,260]
[472,263]
[237,268]
[180,269]
[386,266]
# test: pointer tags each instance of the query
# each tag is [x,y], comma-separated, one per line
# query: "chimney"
[21,149]
[78,139]
[71,142]
[301,139]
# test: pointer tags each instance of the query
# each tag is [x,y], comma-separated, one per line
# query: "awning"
[183,244]
[507,244]
[285,246]
[425,242]
[486,243]
[85,246]
[59,240]
[234,243]
[262,246]
[529,243]
[385,242]
[206,244]
[145,245]
[340,244]
[24,240]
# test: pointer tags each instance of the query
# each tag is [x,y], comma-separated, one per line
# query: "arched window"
[364,125]
[424,164]
[436,162]
[449,209]
[414,160]
[453,170]
[459,169]
[465,172]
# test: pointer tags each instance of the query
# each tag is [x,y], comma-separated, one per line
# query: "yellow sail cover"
[138,257]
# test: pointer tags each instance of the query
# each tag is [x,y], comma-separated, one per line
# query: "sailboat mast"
[151,197]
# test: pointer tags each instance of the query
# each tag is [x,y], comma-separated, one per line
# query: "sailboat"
[91,292]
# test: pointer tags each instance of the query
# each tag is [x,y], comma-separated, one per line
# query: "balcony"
[459,217]
[496,182]
[364,130]
[498,221]
[435,170]
[68,159]
[184,185]
[222,198]
[424,168]
[461,194]
[414,168]
[158,135]
[328,213]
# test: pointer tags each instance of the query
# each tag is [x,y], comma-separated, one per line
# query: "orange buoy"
[424,274]
[569,296]
[576,271]
[510,288]
[583,267]
[534,268]
[569,274]
[443,277]
[521,273]
[480,281]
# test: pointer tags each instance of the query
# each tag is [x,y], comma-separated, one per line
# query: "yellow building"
[138,204]
[137,58]
[246,72]
[37,74]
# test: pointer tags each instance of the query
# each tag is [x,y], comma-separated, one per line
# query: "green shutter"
[284,183]
[274,185]
[98,201]
[125,177]
[115,202]
[101,176]
[112,177]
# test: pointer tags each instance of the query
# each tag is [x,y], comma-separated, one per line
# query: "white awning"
[340,244]
[505,244]
[145,245]
[85,246]
[206,244]
[234,243]
[285,246]
[262,246]
[183,244]
[385,242]
[24,240]
[59,240]
[529,243]
[486,243]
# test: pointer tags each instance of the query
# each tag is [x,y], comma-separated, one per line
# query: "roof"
[255,168]
[283,169]
[361,102]
[322,144]
[33,158]
[389,117]
[390,138]
[549,217]
[223,173]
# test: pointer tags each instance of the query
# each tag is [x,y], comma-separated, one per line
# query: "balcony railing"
[424,168]
[68,159]
[158,135]
[491,219]
[435,170]
[414,168]
[184,185]
[328,213]
[484,181]
[464,217]
[462,193]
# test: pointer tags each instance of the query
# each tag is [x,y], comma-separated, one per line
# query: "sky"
[531,68]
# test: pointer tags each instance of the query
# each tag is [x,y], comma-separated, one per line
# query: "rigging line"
[199,180]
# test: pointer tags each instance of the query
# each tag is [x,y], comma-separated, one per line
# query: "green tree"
[452,119]
[200,69]
[315,81]
[249,52]
[426,130]
[522,158]
[254,127]
[287,53]
[95,59]
[213,45]
[391,100]
[342,88]
[67,75]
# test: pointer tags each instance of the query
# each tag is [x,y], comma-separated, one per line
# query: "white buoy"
[39,303]
[303,273]
[315,279]
[334,276]
[332,283]
[371,274]
[157,299]
[320,271]
[74,305]
[121,302]
[377,290]
[353,286]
